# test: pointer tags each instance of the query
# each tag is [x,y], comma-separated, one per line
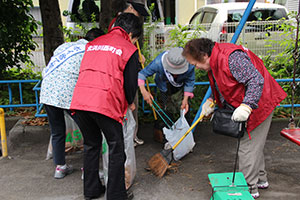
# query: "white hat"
[174,62]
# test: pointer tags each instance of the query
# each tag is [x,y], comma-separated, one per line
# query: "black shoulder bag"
[222,123]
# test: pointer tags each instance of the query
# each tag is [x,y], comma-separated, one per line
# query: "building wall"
[185,10]
[292,5]
[63,5]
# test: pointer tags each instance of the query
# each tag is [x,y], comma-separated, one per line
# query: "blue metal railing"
[9,83]
[39,106]
[208,93]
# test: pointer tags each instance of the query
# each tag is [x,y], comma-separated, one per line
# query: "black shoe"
[90,198]
[129,195]
[102,192]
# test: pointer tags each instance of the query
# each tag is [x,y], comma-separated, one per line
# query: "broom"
[159,163]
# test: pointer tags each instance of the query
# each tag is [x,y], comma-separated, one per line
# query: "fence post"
[3,133]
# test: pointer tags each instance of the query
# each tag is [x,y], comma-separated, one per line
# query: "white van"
[219,22]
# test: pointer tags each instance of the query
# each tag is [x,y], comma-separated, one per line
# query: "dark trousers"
[58,132]
[91,125]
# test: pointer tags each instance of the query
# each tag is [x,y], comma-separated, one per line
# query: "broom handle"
[148,88]
[191,128]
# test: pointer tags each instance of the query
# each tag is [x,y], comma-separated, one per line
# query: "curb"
[23,135]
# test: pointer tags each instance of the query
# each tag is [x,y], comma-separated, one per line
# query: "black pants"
[91,125]
[58,132]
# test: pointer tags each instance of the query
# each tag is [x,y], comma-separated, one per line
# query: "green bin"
[223,189]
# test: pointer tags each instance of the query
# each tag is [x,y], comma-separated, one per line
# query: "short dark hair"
[198,48]
[93,34]
[130,23]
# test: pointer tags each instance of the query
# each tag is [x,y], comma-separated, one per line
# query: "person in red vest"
[106,85]
[138,10]
[238,77]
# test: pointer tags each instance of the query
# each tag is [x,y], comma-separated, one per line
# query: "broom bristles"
[158,165]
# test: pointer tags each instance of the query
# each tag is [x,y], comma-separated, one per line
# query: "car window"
[196,19]
[257,15]
[205,15]
[204,18]
[208,17]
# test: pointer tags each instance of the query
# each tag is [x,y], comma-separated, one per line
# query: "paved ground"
[27,175]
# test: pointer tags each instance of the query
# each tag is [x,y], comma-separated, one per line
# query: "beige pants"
[251,154]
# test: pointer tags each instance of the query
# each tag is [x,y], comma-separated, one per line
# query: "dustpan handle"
[237,151]
[191,128]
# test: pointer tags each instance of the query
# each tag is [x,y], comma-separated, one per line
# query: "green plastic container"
[223,189]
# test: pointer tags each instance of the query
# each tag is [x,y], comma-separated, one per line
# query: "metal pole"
[3,134]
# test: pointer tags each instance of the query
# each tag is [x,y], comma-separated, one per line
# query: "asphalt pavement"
[27,175]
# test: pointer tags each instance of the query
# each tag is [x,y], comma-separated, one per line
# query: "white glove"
[207,109]
[241,113]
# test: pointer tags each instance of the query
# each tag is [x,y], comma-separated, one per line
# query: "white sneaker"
[138,141]
[167,146]
[263,184]
[61,172]
[255,195]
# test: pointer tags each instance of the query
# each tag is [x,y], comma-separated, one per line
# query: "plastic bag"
[74,139]
[130,163]
[173,136]
[103,174]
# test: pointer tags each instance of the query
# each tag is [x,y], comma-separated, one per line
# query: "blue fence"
[9,84]
[36,89]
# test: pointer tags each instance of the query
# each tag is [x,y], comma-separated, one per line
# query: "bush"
[26,73]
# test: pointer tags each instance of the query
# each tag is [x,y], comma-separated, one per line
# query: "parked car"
[219,22]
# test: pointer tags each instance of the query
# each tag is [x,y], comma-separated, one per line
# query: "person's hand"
[207,109]
[131,107]
[185,104]
[142,59]
[147,97]
[241,113]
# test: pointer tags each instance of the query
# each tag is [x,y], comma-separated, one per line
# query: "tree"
[16,29]
[52,32]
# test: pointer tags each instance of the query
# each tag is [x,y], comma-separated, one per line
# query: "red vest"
[100,85]
[234,92]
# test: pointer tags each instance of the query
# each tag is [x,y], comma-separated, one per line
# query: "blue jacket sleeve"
[190,79]
[151,69]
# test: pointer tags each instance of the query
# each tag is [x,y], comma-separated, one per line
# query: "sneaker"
[263,184]
[167,146]
[61,172]
[138,141]
[255,195]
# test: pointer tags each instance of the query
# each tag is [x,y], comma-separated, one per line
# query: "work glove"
[207,109]
[241,113]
